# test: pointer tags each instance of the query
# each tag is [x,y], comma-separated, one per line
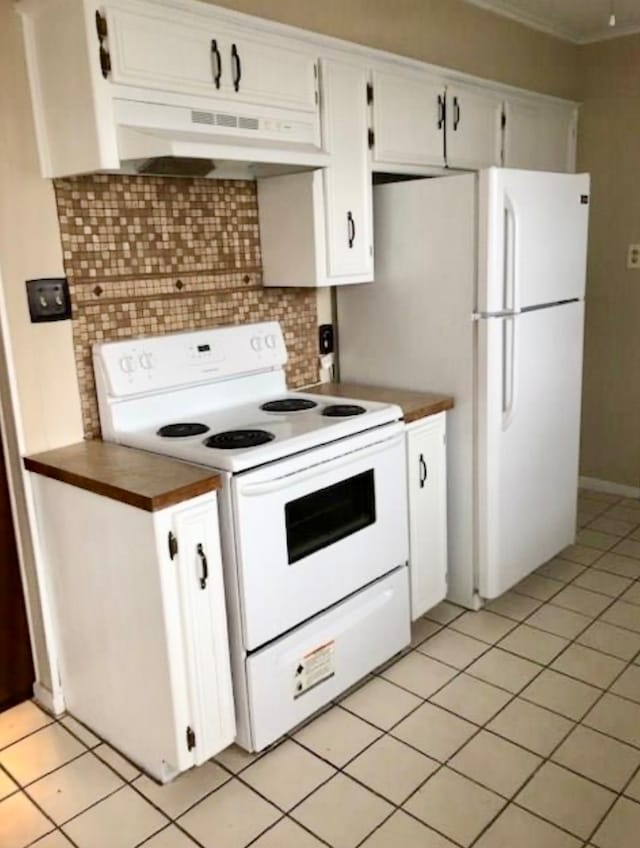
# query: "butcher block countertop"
[414,405]
[135,477]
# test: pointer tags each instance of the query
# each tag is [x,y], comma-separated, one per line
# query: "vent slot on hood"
[203,118]
[224,119]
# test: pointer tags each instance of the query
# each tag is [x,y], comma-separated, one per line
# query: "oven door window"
[321,518]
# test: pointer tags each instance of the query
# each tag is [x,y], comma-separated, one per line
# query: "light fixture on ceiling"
[612,15]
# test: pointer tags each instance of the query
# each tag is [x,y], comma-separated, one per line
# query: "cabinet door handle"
[204,568]
[237,67]
[440,111]
[351,229]
[216,62]
[456,113]
[423,471]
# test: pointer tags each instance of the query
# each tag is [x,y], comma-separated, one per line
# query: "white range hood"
[215,142]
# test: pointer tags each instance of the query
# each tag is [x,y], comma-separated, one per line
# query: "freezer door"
[529,387]
[532,244]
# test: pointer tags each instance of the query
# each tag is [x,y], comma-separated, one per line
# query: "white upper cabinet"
[275,73]
[131,80]
[540,135]
[156,47]
[316,227]
[474,127]
[347,180]
[422,122]
[408,119]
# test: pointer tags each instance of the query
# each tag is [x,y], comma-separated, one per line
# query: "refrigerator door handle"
[511,296]
[503,313]
[509,370]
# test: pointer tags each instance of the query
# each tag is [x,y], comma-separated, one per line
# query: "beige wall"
[445,32]
[46,397]
[30,247]
[609,147]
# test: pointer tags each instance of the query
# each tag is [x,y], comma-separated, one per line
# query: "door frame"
[47,688]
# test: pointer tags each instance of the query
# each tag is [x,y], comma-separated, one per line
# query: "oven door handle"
[253,489]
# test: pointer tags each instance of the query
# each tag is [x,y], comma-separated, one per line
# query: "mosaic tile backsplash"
[152,255]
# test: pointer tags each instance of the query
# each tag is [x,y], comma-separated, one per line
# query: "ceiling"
[579,21]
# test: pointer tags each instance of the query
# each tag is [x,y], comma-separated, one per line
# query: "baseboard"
[607,486]
[51,702]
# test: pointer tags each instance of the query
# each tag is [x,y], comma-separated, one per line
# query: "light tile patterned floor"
[515,727]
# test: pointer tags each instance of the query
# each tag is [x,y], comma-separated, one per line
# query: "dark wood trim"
[16,661]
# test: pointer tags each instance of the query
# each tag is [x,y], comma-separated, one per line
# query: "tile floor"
[514,727]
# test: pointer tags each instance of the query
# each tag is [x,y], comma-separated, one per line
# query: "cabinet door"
[155,49]
[426,458]
[408,119]
[347,180]
[474,127]
[539,136]
[271,73]
[197,623]
[188,54]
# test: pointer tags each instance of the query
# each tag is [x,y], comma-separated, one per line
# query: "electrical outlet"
[48,299]
[633,257]
[325,338]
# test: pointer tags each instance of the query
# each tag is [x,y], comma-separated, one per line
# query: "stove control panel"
[138,366]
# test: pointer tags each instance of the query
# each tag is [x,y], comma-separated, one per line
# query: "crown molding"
[610,33]
[505,10]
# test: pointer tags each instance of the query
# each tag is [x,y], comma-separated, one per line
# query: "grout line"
[382,732]
[27,735]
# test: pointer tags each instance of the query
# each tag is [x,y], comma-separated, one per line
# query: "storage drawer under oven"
[298,674]
[309,537]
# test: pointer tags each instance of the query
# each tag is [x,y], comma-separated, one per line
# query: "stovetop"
[244,436]
[187,394]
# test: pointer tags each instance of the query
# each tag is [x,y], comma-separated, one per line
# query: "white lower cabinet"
[427,481]
[140,623]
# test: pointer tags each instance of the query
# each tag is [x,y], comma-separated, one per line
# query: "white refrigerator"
[479,293]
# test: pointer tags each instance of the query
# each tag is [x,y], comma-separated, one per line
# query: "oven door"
[314,528]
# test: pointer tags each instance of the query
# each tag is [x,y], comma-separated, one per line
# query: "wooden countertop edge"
[432,409]
[149,503]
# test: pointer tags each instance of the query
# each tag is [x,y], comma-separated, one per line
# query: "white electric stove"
[313,511]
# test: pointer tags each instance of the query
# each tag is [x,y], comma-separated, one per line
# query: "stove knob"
[146,361]
[270,342]
[256,344]
[127,364]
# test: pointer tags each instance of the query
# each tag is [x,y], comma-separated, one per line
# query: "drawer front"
[297,675]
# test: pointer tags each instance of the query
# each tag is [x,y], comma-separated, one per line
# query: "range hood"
[156,138]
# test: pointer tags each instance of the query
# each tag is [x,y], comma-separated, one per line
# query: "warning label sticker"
[313,668]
